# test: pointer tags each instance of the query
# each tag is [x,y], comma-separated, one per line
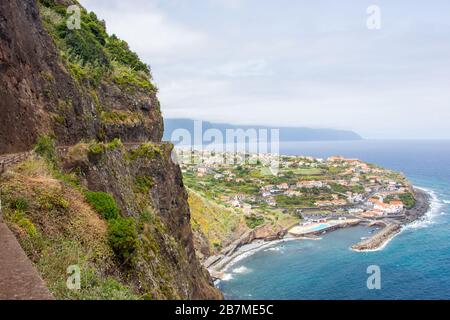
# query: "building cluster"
[342,183]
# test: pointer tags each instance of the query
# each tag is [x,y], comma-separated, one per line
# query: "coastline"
[241,249]
[392,229]
[217,265]
[219,269]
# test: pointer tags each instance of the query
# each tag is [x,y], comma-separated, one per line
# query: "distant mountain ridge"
[287,134]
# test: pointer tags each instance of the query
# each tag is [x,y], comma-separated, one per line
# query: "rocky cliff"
[84,88]
[68,85]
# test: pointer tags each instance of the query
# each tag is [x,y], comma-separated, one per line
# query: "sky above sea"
[296,63]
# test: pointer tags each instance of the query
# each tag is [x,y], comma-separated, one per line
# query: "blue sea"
[414,265]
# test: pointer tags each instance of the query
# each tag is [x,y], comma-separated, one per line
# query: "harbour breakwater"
[379,239]
[264,237]
[392,227]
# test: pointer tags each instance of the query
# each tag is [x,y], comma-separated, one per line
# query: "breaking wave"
[242,270]
[429,218]
[227,277]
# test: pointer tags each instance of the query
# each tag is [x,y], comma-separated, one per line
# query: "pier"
[378,239]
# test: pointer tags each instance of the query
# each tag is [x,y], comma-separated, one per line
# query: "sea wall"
[379,239]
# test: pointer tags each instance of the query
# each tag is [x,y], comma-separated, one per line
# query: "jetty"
[378,239]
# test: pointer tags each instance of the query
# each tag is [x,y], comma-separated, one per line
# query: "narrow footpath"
[19,280]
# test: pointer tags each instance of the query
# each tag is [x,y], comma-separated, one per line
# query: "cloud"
[294,62]
[147,29]
[230,4]
[246,68]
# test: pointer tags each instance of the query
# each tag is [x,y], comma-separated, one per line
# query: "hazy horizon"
[301,64]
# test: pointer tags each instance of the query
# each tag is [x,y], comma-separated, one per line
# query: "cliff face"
[148,186]
[85,85]
[44,92]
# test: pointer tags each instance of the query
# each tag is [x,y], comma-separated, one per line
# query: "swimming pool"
[320,227]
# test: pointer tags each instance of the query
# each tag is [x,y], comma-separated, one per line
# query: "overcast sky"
[295,63]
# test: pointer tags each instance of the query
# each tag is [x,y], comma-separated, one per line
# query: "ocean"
[414,265]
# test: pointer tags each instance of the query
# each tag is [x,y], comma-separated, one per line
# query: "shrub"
[52,201]
[122,238]
[117,117]
[408,200]
[131,80]
[86,43]
[20,219]
[45,147]
[96,148]
[20,204]
[254,221]
[115,144]
[120,52]
[103,203]
[144,183]
[28,226]
[148,216]
[146,150]
[52,5]
[90,54]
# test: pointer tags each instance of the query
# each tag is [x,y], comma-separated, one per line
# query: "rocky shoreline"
[262,237]
[252,240]
[393,228]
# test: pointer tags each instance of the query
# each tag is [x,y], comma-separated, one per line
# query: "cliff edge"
[87,91]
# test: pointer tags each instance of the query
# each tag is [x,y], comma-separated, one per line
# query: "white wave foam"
[424,222]
[274,249]
[226,277]
[446,201]
[245,255]
[242,270]
[429,217]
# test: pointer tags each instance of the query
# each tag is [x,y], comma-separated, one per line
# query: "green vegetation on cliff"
[214,223]
[103,203]
[122,237]
[57,228]
[408,199]
[91,206]
[90,53]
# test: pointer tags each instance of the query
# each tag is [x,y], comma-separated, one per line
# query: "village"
[314,190]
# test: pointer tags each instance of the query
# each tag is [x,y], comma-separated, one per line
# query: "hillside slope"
[86,90]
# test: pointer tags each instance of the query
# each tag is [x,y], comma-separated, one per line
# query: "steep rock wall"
[39,94]
[45,89]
